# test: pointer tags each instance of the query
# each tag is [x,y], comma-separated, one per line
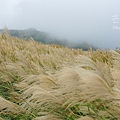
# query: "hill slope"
[47,39]
[28,33]
[52,82]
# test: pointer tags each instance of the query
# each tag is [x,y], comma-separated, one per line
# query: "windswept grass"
[52,82]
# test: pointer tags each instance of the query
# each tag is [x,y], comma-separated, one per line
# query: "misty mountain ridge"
[46,38]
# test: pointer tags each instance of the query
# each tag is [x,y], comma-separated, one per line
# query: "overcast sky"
[76,20]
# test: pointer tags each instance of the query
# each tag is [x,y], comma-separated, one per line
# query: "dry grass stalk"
[52,79]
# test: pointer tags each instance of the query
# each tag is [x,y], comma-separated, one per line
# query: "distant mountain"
[36,35]
[28,33]
[45,38]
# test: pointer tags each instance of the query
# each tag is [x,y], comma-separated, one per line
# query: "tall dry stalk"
[51,81]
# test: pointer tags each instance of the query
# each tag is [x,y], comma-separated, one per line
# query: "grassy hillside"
[52,82]
[45,38]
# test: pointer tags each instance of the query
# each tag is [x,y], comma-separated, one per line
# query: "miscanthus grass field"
[52,82]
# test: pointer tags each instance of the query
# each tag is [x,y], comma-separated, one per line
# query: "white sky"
[75,20]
